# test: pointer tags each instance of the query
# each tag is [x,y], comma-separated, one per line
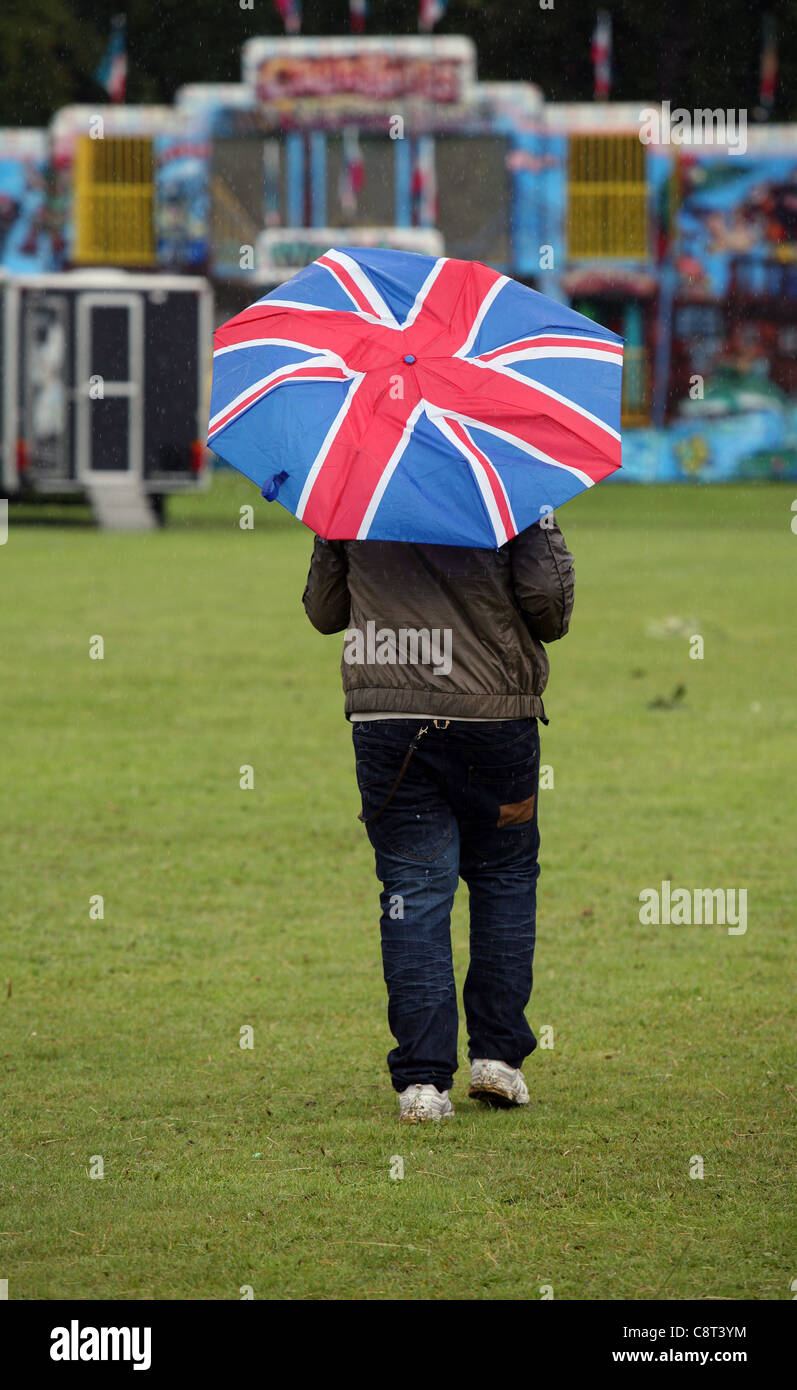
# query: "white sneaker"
[496,1083]
[419,1103]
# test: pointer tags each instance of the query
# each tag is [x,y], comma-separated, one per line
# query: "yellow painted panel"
[114,201]
[607,207]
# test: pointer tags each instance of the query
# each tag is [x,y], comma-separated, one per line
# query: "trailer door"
[110,385]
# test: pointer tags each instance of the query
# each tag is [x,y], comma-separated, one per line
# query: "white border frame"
[131,388]
[9,474]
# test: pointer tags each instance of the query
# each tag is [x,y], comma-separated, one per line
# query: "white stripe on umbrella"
[513,439]
[285,376]
[485,305]
[366,287]
[548,391]
[549,334]
[590,354]
[329,440]
[327,354]
[318,309]
[476,461]
[423,291]
[388,471]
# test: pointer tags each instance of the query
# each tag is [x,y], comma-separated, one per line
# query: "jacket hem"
[446,704]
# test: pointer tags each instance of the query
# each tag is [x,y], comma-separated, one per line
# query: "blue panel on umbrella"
[398,275]
[283,433]
[517,312]
[431,495]
[233,372]
[531,485]
[313,285]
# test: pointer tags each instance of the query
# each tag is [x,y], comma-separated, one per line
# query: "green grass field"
[271,1166]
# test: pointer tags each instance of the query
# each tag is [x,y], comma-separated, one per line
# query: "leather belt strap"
[366,820]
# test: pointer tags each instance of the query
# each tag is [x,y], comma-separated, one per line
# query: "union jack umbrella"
[390,396]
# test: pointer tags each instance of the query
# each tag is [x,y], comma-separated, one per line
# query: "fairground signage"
[281,252]
[360,74]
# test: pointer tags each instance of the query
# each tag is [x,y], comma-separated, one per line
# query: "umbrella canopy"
[389,396]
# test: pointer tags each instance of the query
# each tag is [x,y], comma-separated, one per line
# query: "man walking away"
[443,672]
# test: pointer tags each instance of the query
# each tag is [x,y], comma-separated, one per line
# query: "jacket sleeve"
[543,577]
[326,596]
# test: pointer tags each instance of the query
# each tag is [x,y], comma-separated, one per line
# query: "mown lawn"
[223,908]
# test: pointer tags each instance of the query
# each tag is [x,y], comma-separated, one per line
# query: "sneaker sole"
[491,1095]
[424,1119]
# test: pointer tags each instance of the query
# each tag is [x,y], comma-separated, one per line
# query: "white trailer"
[105,380]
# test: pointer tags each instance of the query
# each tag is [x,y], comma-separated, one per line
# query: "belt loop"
[445,725]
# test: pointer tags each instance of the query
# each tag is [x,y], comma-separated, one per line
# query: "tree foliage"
[697,55]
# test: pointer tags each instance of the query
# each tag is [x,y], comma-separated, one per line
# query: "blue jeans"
[465,807]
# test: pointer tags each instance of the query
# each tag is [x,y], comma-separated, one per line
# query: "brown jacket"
[444,630]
